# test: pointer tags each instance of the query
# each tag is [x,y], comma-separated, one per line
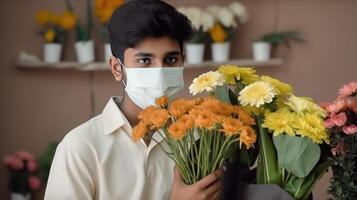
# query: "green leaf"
[268,171]
[222,93]
[298,155]
[301,188]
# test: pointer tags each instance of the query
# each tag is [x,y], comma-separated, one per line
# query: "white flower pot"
[85,51]
[194,53]
[52,52]
[261,51]
[107,52]
[17,196]
[220,51]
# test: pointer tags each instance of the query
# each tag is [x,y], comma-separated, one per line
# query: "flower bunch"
[199,134]
[292,156]
[54,26]
[201,20]
[341,122]
[104,10]
[22,166]
[226,20]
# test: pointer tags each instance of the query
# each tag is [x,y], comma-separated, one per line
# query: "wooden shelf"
[101,66]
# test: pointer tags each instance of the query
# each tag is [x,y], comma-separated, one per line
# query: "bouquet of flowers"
[22,167]
[291,133]
[198,134]
[54,26]
[104,10]
[342,125]
[202,21]
[226,20]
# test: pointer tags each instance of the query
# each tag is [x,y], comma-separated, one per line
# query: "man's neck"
[130,110]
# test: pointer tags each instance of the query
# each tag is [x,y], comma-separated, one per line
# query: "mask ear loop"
[122,80]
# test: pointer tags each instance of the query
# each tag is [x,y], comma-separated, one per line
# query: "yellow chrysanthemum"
[50,35]
[257,94]
[280,122]
[302,105]
[67,20]
[232,72]
[282,88]
[43,17]
[311,126]
[218,34]
[206,82]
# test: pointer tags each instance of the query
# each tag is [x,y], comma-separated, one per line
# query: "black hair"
[139,19]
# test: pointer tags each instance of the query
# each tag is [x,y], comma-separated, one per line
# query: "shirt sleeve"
[71,175]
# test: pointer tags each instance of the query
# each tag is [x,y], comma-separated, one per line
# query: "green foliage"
[83,33]
[45,160]
[283,37]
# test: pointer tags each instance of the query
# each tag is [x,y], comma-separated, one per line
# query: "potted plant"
[84,45]
[54,28]
[104,10]
[341,122]
[223,31]
[202,21]
[45,160]
[262,47]
[22,167]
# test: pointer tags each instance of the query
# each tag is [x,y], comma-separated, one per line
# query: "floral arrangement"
[83,33]
[103,11]
[226,20]
[198,134]
[201,20]
[22,167]
[341,122]
[54,26]
[291,133]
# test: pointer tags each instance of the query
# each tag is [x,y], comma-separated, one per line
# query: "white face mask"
[145,85]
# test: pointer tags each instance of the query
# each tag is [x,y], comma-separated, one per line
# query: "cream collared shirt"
[99,160]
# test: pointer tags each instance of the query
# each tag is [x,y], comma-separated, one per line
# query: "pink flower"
[14,162]
[24,155]
[352,104]
[337,106]
[329,123]
[349,130]
[34,182]
[32,166]
[339,119]
[324,105]
[347,90]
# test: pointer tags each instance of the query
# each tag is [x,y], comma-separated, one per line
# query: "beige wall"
[39,106]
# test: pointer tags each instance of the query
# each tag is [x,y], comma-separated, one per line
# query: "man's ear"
[115,67]
[183,59]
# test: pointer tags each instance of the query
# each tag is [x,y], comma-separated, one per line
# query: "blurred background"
[42,102]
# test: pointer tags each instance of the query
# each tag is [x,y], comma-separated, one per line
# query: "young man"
[98,159]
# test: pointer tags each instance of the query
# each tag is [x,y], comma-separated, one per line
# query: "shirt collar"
[113,118]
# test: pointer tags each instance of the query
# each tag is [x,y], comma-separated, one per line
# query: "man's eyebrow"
[173,53]
[143,54]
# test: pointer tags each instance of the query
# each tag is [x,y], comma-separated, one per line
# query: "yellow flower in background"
[312,126]
[302,105]
[50,36]
[281,87]
[230,72]
[206,82]
[247,75]
[280,122]
[218,34]
[257,94]
[105,8]
[43,17]
[247,137]
[67,20]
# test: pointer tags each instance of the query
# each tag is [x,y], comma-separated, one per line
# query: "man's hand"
[208,188]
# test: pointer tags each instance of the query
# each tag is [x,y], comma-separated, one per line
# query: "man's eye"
[144,60]
[170,60]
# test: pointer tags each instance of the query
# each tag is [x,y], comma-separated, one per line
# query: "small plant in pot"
[263,47]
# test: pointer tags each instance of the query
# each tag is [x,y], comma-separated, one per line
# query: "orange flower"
[177,131]
[146,113]
[207,119]
[247,136]
[217,107]
[180,107]
[154,117]
[231,126]
[244,116]
[186,121]
[162,101]
[139,131]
